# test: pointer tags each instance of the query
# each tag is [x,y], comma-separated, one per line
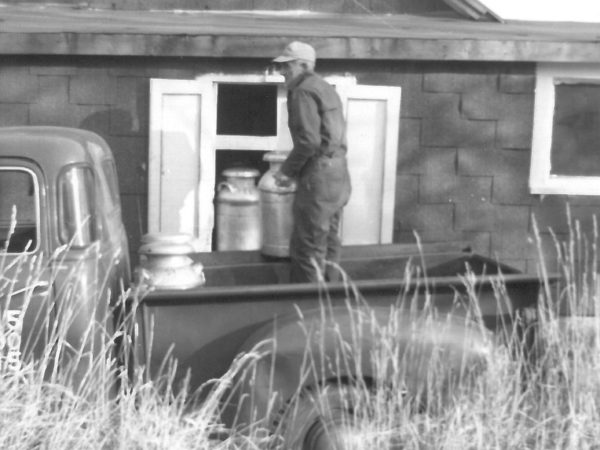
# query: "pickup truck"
[63,242]
[64,246]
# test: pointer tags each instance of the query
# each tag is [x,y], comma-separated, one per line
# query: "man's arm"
[305,127]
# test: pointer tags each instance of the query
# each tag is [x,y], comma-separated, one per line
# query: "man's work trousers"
[323,191]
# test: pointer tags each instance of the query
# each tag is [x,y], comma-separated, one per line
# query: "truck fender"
[341,345]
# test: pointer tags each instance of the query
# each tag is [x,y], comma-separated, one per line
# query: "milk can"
[276,203]
[166,262]
[238,210]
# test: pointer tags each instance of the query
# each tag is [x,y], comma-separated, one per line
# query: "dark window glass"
[247,109]
[575,146]
[19,228]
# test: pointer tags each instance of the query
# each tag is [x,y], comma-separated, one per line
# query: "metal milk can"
[238,210]
[166,263]
[276,203]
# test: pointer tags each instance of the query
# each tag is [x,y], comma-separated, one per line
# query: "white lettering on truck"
[10,339]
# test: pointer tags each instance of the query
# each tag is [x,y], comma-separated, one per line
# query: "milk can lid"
[171,238]
[277,156]
[241,172]
[166,249]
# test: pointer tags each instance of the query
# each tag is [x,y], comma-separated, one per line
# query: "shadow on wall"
[127,117]
[100,122]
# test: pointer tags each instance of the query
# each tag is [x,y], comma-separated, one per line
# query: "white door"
[373,119]
[181,158]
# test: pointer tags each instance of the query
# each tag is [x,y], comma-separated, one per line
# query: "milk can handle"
[225,184]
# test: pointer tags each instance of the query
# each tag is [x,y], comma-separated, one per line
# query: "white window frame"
[282,140]
[206,143]
[541,180]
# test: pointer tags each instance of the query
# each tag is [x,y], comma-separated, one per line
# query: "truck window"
[110,172]
[77,219]
[19,223]
[107,176]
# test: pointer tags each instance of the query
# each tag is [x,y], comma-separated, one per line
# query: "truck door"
[79,285]
[90,263]
[25,301]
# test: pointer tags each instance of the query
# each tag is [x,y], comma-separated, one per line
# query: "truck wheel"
[320,419]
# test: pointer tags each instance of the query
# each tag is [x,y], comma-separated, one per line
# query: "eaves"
[64,30]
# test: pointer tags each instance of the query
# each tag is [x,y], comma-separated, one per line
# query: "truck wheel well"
[368,383]
[316,417]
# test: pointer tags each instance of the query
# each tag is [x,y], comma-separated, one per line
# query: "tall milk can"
[238,210]
[276,204]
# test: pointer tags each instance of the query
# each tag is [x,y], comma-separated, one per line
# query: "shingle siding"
[463,151]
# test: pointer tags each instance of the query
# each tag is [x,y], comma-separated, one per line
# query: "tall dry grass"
[546,400]
[90,395]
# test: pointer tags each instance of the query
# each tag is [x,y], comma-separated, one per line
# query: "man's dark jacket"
[316,122]
[318,162]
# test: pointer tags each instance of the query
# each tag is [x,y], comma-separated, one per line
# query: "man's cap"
[297,50]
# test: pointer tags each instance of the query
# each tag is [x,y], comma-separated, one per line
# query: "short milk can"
[276,203]
[238,210]
[166,262]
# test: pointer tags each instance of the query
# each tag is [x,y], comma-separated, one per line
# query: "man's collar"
[299,79]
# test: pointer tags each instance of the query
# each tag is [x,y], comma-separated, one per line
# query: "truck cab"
[62,242]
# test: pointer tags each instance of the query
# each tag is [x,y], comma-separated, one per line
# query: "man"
[317,162]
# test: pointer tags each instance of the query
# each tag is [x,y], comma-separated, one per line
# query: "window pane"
[110,172]
[18,211]
[247,109]
[76,198]
[107,176]
[576,130]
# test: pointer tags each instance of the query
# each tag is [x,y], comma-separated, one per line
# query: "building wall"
[464,144]
[464,160]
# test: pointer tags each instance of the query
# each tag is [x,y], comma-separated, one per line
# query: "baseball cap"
[297,50]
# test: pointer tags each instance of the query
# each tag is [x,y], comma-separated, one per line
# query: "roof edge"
[64,31]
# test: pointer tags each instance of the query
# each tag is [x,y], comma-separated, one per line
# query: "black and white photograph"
[299,224]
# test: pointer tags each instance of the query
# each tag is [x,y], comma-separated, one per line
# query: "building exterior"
[477,149]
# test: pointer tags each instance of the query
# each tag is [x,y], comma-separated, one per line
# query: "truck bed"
[360,263]
[205,327]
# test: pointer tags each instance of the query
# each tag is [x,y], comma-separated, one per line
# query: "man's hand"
[282,180]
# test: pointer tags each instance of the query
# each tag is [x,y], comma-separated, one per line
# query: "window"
[77,221]
[246,109]
[250,113]
[19,216]
[110,173]
[106,176]
[566,130]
